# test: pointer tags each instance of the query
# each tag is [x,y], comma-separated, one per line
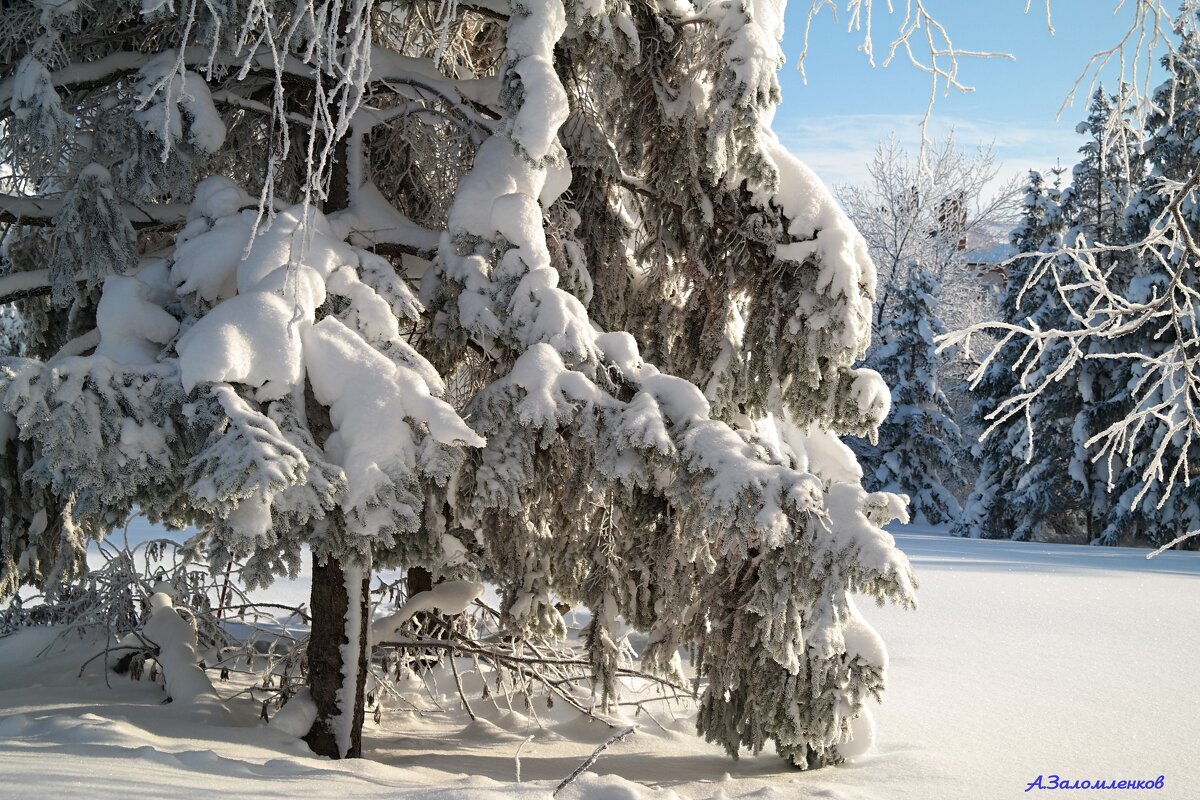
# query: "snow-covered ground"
[1023,660]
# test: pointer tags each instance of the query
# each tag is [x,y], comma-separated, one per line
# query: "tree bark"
[327,648]
[332,595]
[419,579]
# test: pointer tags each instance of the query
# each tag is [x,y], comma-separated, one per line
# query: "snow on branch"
[449,597]
[20,285]
[123,63]
[1135,52]
[42,210]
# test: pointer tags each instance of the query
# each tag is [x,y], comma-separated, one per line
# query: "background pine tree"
[919,443]
[990,511]
[1140,511]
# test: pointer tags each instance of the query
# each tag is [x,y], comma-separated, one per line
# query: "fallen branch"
[462,696]
[582,768]
[517,757]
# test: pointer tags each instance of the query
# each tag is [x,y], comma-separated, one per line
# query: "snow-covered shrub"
[113,599]
[151,611]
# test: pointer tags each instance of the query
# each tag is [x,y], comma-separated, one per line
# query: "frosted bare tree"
[933,220]
[929,218]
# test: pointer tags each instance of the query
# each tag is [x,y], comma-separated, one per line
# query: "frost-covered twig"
[1127,307]
[925,42]
[1149,30]
[517,756]
[525,667]
[462,695]
[930,219]
[1177,540]
[929,47]
[586,765]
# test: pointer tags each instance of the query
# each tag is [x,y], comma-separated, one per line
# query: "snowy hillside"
[1023,660]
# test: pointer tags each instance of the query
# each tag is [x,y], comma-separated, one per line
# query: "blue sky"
[834,122]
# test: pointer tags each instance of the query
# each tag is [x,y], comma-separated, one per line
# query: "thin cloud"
[839,147]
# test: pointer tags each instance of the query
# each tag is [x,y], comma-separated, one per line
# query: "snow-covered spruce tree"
[1006,448]
[243,354]
[1157,429]
[1140,509]
[1056,488]
[931,212]
[919,443]
[1094,208]
[1038,481]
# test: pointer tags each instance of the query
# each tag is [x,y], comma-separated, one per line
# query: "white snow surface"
[247,339]
[498,198]
[217,197]
[820,228]
[371,219]
[296,718]
[533,29]
[371,401]
[1023,660]
[32,89]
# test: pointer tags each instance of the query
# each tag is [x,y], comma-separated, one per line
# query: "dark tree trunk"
[419,579]
[331,599]
[330,603]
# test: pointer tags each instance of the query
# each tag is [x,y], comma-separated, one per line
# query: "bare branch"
[923,40]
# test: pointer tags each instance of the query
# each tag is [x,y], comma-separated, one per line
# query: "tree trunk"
[340,594]
[419,579]
[340,613]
